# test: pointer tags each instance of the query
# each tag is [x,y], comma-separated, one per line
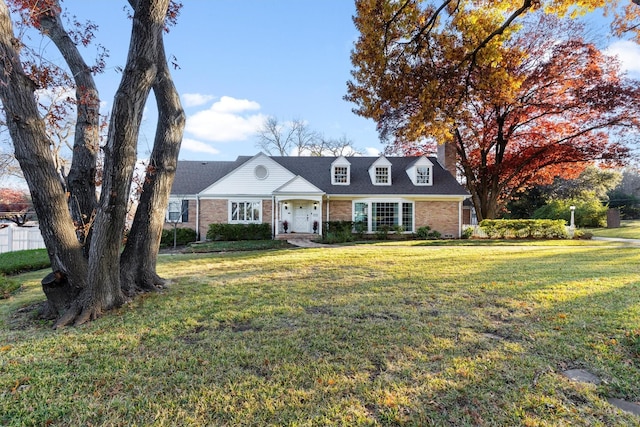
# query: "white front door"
[302,216]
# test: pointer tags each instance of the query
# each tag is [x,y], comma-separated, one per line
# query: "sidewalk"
[305,243]
[617,239]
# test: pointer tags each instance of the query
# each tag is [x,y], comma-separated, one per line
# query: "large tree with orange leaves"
[523,100]
[91,272]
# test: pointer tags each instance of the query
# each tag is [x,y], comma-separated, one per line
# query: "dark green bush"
[382,233]
[232,232]
[427,233]
[338,231]
[21,261]
[524,228]
[184,236]
[467,233]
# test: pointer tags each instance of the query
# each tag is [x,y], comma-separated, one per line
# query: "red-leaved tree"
[534,102]
[15,205]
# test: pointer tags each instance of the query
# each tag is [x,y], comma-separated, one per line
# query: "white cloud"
[371,151]
[196,99]
[226,120]
[228,104]
[197,146]
[628,53]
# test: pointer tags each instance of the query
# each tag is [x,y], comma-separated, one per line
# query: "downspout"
[274,228]
[327,208]
[460,218]
[198,216]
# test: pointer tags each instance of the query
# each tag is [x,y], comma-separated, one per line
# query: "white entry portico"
[299,207]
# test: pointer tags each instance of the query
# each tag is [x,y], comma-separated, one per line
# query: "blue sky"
[241,61]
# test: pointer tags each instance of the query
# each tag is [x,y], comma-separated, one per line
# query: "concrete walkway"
[617,239]
[305,243]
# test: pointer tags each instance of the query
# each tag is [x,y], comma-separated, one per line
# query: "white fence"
[20,238]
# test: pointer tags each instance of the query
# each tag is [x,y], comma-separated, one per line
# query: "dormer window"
[341,171]
[380,171]
[382,175]
[423,175]
[421,172]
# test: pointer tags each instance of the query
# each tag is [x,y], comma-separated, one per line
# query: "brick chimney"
[447,157]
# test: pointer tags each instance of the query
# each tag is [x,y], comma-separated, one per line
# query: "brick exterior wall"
[211,212]
[440,216]
[340,210]
[216,211]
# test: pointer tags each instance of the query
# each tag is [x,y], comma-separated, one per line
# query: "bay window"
[377,214]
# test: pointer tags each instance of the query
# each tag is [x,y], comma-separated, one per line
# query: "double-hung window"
[178,211]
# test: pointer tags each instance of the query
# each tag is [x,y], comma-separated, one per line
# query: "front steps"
[296,236]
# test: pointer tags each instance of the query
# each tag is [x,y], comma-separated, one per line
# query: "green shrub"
[360,227]
[467,233]
[427,233]
[589,211]
[338,231]
[524,228]
[382,233]
[184,236]
[21,261]
[232,232]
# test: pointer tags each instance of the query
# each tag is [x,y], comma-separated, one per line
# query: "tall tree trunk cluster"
[83,232]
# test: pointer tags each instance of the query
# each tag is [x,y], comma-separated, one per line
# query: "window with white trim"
[245,211]
[341,171]
[382,175]
[340,175]
[377,214]
[177,211]
[423,175]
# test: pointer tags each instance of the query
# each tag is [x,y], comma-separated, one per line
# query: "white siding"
[243,180]
[299,185]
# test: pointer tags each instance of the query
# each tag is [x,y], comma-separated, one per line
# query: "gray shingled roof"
[192,176]
[317,170]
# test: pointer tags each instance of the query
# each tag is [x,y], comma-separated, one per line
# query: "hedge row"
[232,232]
[184,236]
[525,228]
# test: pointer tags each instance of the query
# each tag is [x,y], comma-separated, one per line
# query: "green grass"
[358,335]
[627,230]
[16,262]
[240,245]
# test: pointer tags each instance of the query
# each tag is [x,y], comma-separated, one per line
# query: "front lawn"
[358,335]
[627,230]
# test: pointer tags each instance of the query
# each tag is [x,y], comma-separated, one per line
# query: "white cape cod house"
[304,192]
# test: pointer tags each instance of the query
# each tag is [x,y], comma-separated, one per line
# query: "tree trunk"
[104,288]
[81,180]
[31,145]
[79,288]
[138,261]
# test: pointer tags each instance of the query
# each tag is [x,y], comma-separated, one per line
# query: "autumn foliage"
[523,102]
[15,205]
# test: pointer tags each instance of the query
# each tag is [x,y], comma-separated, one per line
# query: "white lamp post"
[572,225]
